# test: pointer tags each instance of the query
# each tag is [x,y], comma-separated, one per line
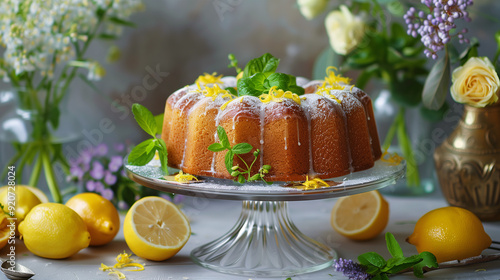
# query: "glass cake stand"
[265,242]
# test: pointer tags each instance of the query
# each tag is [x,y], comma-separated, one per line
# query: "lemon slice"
[361,216]
[155,228]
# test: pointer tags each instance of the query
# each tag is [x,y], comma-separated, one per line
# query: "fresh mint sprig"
[237,150]
[259,76]
[145,151]
[377,266]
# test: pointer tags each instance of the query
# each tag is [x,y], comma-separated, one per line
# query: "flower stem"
[412,175]
[50,176]
[35,175]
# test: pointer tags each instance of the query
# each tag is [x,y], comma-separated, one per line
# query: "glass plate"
[380,175]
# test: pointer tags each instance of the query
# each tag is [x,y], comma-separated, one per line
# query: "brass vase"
[468,163]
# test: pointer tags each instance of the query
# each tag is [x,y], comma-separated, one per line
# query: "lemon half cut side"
[155,228]
[360,216]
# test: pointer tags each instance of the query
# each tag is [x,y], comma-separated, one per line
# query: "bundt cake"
[326,132]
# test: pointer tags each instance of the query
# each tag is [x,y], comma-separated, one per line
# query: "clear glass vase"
[31,139]
[417,134]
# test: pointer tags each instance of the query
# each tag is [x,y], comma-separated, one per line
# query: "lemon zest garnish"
[184,177]
[122,260]
[393,159]
[351,88]
[325,91]
[278,95]
[313,184]
[209,78]
[333,79]
[215,92]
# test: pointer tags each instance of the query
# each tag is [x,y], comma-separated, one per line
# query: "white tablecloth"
[212,218]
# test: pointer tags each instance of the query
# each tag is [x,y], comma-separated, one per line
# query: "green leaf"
[393,246]
[279,80]
[228,160]
[216,147]
[372,258]
[241,179]
[163,160]
[242,148]
[232,90]
[254,177]
[253,85]
[266,64]
[437,84]
[471,51]
[142,153]
[224,140]
[428,260]
[404,263]
[145,119]
[159,123]
[296,89]
[120,21]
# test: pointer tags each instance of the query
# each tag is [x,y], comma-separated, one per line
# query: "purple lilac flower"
[99,187]
[109,178]
[108,194]
[77,171]
[119,147]
[435,28]
[97,171]
[90,185]
[122,205]
[351,269]
[115,163]
[86,156]
[101,150]
[179,198]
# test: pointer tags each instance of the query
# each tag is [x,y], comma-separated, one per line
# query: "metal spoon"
[18,272]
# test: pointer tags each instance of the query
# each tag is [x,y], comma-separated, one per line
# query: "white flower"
[311,8]
[36,33]
[344,30]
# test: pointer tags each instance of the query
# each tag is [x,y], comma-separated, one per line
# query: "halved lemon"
[360,216]
[155,228]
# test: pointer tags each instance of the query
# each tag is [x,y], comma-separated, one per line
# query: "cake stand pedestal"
[265,242]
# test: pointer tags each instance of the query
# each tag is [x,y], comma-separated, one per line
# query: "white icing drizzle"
[307,111]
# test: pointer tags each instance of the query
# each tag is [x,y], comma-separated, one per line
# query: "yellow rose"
[311,8]
[475,83]
[344,30]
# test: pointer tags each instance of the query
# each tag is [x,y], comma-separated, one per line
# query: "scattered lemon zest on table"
[184,177]
[392,159]
[122,260]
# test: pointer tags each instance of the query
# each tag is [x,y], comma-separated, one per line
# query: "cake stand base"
[264,242]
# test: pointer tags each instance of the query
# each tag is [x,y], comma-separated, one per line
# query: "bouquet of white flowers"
[45,43]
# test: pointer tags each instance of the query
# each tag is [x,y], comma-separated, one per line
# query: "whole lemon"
[450,233]
[22,197]
[54,231]
[99,214]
